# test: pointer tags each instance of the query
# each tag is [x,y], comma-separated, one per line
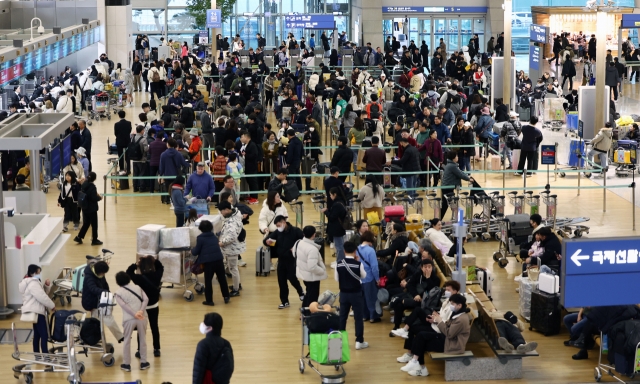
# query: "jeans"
[217,268]
[338,243]
[603,157]
[573,325]
[312,294]
[506,153]
[71,212]
[413,246]
[370,296]
[40,335]
[287,272]
[353,300]
[412,182]
[465,163]
[207,142]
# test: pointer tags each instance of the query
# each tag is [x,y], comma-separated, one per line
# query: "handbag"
[402,273]
[197,269]
[533,272]
[29,317]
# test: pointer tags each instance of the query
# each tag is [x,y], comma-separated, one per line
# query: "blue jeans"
[603,157]
[40,335]
[349,300]
[370,296]
[413,246]
[572,324]
[412,182]
[338,243]
[465,163]
[506,154]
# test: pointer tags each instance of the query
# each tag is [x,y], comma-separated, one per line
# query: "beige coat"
[34,296]
[368,200]
[457,331]
[309,264]
[603,140]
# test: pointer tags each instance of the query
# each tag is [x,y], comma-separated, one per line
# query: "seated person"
[535,221]
[398,241]
[26,172]
[452,339]
[510,329]
[551,255]
[420,283]
[601,319]
[453,251]
[21,184]
[574,323]
[437,237]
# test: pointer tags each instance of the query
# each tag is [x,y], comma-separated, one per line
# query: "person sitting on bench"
[452,339]
[510,329]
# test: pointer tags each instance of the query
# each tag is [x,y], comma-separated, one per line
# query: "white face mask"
[38,276]
[311,129]
[280,229]
[447,294]
[452,308]
[204,329]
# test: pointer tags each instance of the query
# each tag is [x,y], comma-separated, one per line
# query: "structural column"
[370,21]
[601,67]
[119,42]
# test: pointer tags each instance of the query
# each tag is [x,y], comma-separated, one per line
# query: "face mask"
[37,277]
[447,294]
[312,129]
[280,229]
[452,308]
[203,328]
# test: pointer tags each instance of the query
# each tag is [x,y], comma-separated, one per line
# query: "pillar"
[494,21]
[602,98]
[119,42]
[506,82]
[370,23]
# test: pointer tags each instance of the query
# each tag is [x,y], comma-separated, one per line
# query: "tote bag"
[319,347]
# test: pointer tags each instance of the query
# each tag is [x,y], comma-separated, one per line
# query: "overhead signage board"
[538,33]
[534,57]
[630,20]
[309,21]
[590,267]
[434,9]
[214,18]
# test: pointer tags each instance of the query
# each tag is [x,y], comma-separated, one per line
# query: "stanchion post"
[504,173]
[579,183]
[486,153]
[428,174]
[524,181]
[604,193]
[555,166]
[104,199]
[633,203]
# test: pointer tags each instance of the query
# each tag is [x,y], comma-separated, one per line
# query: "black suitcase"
[546,315]
[519,228]
[324,167]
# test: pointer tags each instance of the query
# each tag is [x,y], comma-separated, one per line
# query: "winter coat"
[452,175]
[207,248]
[531,138]
[309,264]
[35,296]
[418,284]
[467,137]
[156,149]
[367,256]
[92,198]
[294,154]
[207,353]
[171,163]
[456,331]
[568,68]
[367,199]
[603,140]
[149,282]
[285,241]
[612,78]
[130,302]
[342,158]
[231,228]
[433,150]
[484,126]
[267,216]
[200,185]
[410,160]
[65,105]
[92,288]
[335,218]
[397,243]
[605,317]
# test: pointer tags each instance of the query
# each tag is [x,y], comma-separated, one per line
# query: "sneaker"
[65,229]
[332,246]
[362,345]
[334,264]
[144,366]
[96,242]
[156,353]
[226,300]
[504,344]
[517,278]
[412,365]
[528,347]
[391,319]
[125,367]
[209,303]
[420,372]
[386,308]
[137,354]
[273,267]
[302,296]
[234,293]
[75,227]
[407,357]
[77,240]
[351,313]
[242,263]
[283,306]
[401,332]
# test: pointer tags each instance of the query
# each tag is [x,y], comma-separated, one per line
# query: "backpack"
[82,200]
[90,332]
[431,299]
[223,366]
[374,111]
[134,151]
[155,76]
[57,325]
[432,100]
[242,236]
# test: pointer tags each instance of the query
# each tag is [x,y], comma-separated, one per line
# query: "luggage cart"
[64,286]
[575,160]
[517,201]
[100,106]
[554,115]
[188,277]
[334,353]
[49,362]
[533,201]
[319,203]
[511,236]
[601,367]
[435,203]
[625,157]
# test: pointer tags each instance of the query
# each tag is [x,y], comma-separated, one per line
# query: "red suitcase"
[394,213]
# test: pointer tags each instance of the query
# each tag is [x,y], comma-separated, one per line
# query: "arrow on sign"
[576,257]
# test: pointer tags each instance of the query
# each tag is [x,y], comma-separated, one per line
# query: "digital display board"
[310,21]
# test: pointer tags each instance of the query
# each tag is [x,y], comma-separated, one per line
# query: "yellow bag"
[373,218]
[353,140]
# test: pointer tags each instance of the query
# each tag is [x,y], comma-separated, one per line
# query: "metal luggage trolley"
[100,106]
[517,201]
[601,367]
[533,201]
[554,115]
[50,362]
[64,286]
[624,166]
[435,203]
[334,353]
[319,203]
[188,277]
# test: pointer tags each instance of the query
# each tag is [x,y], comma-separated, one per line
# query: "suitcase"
[494,163]
[526,287]
[524,114]
[394,212]
[77,278]
[624,364]
[263,261]
[515,159]
[546,315]
[106,303]
[518,228]
[549,283]
[324,167]
[485,277]
[576,149]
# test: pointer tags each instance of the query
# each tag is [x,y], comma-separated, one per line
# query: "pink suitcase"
[394,213]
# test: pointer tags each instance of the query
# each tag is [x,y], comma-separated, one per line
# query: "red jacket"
[434,151]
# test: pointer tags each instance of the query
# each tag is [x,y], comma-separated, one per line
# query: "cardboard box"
[148,239]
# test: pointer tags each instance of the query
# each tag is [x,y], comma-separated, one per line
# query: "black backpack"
[134,151]
[90,332]
[222,369]
[57,324]
[242,236]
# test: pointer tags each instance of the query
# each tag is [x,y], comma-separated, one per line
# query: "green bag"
[319,347]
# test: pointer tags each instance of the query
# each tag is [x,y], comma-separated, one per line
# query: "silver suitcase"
[263,261]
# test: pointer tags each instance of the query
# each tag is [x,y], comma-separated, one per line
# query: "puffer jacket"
[267,216]
[484,126]
[35,296]
[231,228]
[603,140]
[456,331]
[309,264]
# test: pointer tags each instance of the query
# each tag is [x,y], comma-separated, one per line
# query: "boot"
[579,342]
[581,355]
[569,343]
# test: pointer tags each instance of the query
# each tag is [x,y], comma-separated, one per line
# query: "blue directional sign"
[309,21]
[538,33]
[631,20]
[590,267]
[534,57]
[214,18]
